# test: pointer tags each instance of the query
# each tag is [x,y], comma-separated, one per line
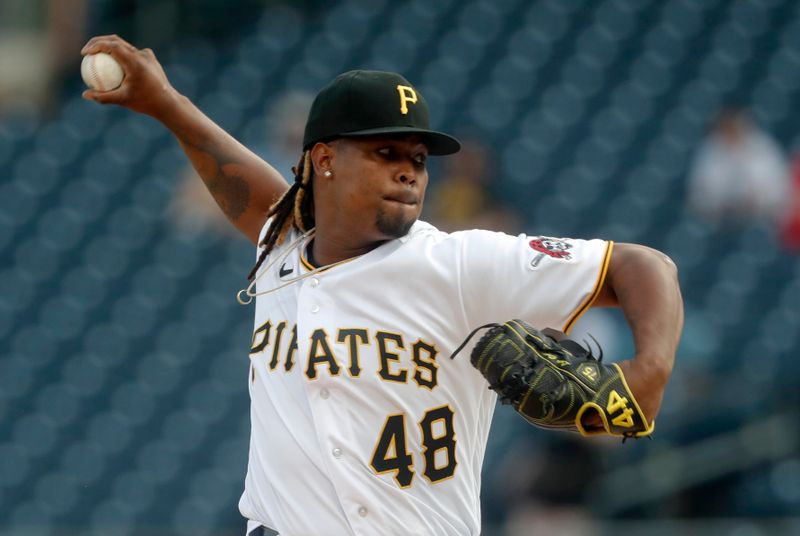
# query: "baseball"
[101,72]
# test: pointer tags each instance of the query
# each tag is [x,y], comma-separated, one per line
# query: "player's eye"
[385,151]
[420,159]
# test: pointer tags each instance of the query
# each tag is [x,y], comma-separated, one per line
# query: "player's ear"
[322,156]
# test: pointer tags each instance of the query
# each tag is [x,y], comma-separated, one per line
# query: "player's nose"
[406,172]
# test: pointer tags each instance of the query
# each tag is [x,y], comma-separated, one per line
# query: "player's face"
[384,183]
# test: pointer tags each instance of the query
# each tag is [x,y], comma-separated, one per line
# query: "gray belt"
[262,531]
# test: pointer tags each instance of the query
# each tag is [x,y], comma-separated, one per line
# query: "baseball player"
[361,424]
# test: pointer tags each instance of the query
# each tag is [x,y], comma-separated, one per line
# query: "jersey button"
[315,309]
[324,394]
[314,282]
[363,512]
[337,452]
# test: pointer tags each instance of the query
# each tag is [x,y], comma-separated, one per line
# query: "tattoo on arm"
[231,193]
[222,176]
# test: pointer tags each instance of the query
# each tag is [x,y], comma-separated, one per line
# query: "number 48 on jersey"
[391,452]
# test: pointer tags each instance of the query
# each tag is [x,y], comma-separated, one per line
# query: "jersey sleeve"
[546,281]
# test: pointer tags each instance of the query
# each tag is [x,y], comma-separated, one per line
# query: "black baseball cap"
[370,103]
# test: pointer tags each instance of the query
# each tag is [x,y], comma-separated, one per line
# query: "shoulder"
[474,245]
[420,231]
[290,237]
[423,231]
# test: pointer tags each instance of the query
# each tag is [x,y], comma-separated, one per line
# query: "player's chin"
[396,223]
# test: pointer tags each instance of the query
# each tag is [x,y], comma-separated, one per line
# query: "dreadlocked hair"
[294,209]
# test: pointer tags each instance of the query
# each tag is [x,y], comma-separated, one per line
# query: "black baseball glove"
[556,383]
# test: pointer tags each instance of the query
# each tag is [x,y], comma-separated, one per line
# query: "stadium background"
[123,403]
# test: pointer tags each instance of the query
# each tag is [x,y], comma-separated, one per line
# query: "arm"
[643,282]
[243,185]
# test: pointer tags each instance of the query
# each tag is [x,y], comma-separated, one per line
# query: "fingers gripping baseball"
[144,88]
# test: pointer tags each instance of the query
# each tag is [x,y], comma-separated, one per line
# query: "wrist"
[169,107]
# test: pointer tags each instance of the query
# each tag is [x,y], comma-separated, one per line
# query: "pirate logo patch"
[545,246]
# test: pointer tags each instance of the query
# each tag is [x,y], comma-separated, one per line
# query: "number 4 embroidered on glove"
[619,403]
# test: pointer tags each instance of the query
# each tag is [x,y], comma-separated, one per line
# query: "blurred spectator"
[194,210]
[285,124]
[790,228]
[543,480]
[66,33]
[461,198]
[556,520]
[39,44]
[739,174]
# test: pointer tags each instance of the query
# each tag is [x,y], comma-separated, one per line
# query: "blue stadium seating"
[123,369]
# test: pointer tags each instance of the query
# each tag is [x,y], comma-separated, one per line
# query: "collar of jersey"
[310,267]
[418,226]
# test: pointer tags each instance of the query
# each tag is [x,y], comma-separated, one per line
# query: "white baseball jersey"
[361,422]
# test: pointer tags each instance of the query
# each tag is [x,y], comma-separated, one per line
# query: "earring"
[328,173]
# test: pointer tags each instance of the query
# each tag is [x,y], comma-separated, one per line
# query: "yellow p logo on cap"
[407,94]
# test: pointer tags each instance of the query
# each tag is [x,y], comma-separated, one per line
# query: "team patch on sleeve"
[547,247]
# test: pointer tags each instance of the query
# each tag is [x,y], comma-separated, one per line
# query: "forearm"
[242,184]
[645,284]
